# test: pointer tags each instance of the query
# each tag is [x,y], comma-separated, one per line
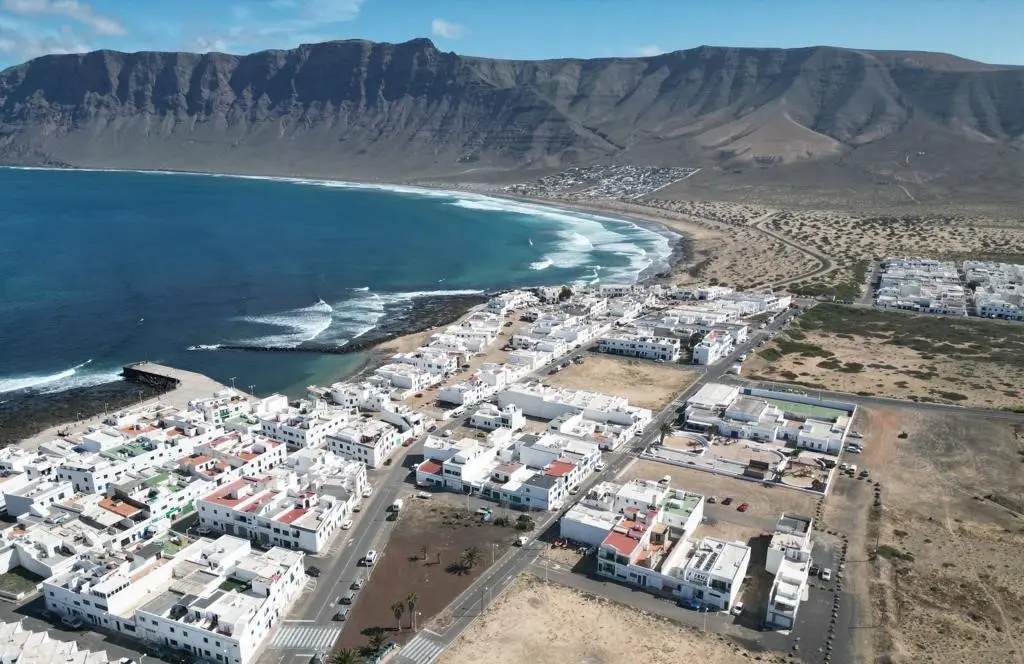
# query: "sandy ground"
[969,362]
[948,585]
[645,383]
[847,239]
[545,623]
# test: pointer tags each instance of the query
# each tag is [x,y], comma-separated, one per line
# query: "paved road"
[826,264]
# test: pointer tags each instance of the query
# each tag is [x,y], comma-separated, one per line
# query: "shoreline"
[380,344]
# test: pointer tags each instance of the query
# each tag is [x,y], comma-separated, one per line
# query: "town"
[224,527]
[612,181]
[979,288]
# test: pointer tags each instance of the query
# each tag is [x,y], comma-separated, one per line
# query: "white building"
[465,393]
[22,646]
[714,573]
[822,436]
[408,377]
[368,440]
[36,496]
[665,349]
[196,615]
[491,417]
[548,402]
[715,346]
[308,425]
[431,360]
[789,559]
[272,513]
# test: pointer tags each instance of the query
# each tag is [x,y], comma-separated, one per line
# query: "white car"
[370,558]
[826,574]
[599,466]
[737,608]
[367,492]
[346,524]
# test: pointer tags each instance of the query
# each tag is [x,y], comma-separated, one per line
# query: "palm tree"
[411,600]
[344,657]
[398,608]
[377,640]
[471,557]
[664,431]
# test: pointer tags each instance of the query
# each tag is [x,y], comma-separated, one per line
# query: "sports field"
[808,410]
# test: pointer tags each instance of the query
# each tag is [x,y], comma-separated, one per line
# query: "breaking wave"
[75,377]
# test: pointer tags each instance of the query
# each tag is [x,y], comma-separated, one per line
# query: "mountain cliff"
[358,108]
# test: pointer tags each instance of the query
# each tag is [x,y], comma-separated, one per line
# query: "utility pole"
[232,379]
[252,390]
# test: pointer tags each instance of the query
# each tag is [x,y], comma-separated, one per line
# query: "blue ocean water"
[99,268]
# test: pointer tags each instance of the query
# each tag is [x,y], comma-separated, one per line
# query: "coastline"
[58,409]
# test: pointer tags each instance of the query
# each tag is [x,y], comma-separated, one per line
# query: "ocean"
[102,268]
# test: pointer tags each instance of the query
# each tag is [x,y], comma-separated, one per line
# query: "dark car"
[727,501]
[313,571]
[743,507]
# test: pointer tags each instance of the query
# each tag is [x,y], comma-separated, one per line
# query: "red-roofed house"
[429,473]
[270,513]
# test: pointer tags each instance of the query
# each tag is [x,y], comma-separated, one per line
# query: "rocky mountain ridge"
[375,110]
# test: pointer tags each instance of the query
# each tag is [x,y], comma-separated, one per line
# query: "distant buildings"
[664,349]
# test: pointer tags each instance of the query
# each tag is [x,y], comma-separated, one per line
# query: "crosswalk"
[424,648]
[306,637]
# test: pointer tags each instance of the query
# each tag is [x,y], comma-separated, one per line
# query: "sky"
[986,30]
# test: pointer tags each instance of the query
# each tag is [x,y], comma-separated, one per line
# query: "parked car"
[573,491]
[737,608]
[688,603]
[727,501]
[346,524]
[347,598]
[432,429]
[424,495]
[865,473]
[357,583]
[370,558]
[599,466]
[342,613]
[826,574]
[712,499]
[313,571]
[367,492]
[843,467]
[743,507]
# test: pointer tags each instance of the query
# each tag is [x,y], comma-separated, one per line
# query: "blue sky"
[987,30]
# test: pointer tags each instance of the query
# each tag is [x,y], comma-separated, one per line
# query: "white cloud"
[22,43]
[443,28]
[72,9]
[329,11]
[650,50]
[208,45]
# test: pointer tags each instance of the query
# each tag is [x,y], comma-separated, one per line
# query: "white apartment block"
[221,407]
[231,456]
[320,468]
[22,646]
[505,302]
[361,396]
[665,349]
[160,494]
[714,573]
[998,289]
[924,285]
[715,346]
[367,440]
[491,417]
[473,338]
[408,377]
[541,451]
[606,435]
[430,360]
[789,560]
[305,426]
[36,496]
[271,512]
[548,402]
[465,393]
[530,360]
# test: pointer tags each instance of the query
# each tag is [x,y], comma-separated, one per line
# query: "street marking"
[291,637]
[422,649]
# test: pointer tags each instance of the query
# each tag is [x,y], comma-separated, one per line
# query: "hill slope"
[357,108]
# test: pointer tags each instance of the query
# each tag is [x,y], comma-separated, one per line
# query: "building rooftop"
[559,468]
[717,557]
